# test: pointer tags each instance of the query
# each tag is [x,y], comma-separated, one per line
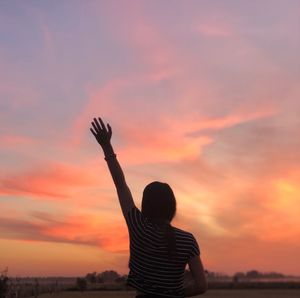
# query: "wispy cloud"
[12,141]
[215,30]
[77,229]
[56,181]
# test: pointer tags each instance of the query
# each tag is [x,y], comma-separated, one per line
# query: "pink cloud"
[161,59]
[100,101]
[164,138]
[8,141]
[55,181]
[169,139]
[84,229]
[215,30]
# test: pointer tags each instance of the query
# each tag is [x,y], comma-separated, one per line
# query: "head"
[159,202]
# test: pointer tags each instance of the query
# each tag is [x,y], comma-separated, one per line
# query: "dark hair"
[159,205]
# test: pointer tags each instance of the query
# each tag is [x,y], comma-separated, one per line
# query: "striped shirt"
[150,269]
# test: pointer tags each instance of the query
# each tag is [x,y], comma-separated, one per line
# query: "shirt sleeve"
[135,221]
[194,250]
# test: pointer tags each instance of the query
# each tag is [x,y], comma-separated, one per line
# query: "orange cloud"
[160,57]
[281,220]
[228,121]
[246,253]
[256,192]
[56,181]
[87,229]
[58,258]
[174,139]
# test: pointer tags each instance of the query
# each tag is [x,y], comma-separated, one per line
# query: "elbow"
[202,288]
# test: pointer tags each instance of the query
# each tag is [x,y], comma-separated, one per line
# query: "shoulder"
[184,234]
[134,216]
[187,239]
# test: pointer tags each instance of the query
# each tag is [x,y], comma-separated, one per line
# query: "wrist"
[110,156]
[107,148]
[108,151]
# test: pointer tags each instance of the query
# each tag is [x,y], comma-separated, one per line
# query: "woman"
[159,252]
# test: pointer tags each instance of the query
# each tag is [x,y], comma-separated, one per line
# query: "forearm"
[113,165]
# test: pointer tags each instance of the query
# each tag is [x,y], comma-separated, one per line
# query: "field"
[210,294]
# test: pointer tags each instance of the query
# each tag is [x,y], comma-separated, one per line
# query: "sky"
[202,95]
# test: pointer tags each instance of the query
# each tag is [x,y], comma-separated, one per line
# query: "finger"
[95,127]
[102,124]
[98,126]
[93,132]
[109,130]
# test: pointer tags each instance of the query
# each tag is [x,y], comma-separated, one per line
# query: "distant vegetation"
[4,280]
[253,293]
[105,276]
[257,274]
[112,280]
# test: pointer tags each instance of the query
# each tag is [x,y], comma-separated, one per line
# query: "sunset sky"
[203,95]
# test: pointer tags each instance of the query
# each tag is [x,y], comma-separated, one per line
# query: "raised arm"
[103,137]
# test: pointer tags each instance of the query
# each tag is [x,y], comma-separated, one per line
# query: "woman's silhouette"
[159,252]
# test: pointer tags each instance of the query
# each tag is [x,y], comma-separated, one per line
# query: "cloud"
[244,184]
[227,121]
[215,30]
[12,141]
[258,195]
[84,229]
[246,253]
[164,136]
[175,117]
[157,60]
[48,180]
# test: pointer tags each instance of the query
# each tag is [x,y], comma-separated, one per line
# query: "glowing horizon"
[201,95]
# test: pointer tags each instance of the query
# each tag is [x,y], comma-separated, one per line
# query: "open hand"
[101,133]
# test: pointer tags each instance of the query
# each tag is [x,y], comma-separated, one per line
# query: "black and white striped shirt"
[150,269]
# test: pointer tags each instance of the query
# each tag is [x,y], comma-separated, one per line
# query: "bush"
[81,284]
[3,285]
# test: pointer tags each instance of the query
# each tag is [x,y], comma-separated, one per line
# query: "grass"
[253,293]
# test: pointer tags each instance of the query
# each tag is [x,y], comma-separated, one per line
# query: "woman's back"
[151,270]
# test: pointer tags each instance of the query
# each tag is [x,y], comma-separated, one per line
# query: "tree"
[3,285]
[4,280]
[121,279]
[99,278]
[109,275]
[239,275]
[91,277]
[81,284]
[253,274]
